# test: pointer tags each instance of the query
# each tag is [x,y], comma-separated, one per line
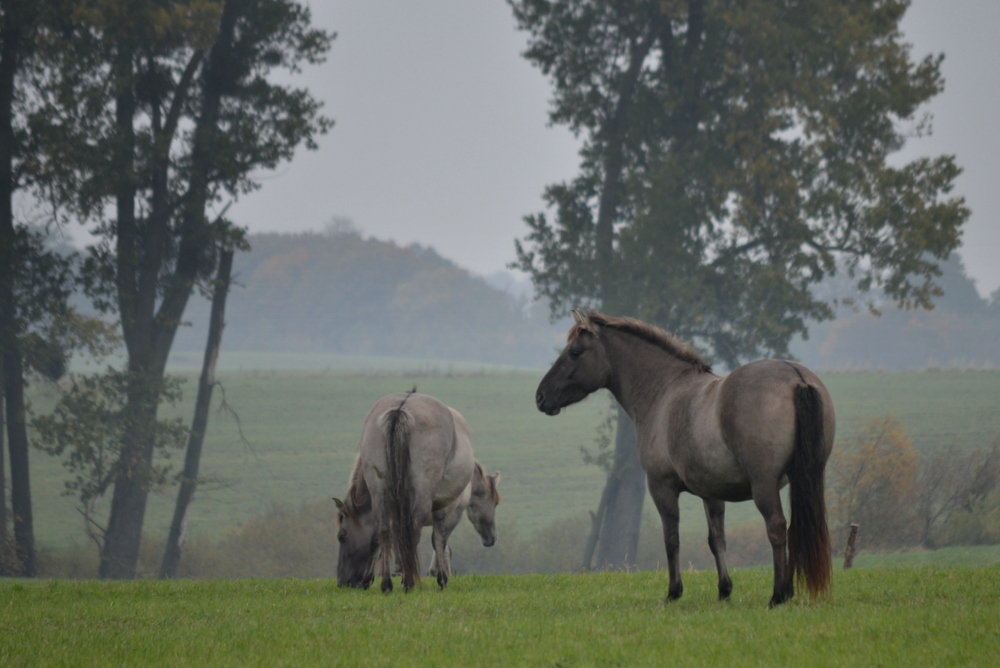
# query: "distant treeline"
[344,294]
[961,332]
[341,293]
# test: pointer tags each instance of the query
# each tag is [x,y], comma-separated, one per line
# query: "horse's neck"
[478,484]
[641,372]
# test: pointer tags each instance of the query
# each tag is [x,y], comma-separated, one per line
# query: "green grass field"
[874,617]
[302,430]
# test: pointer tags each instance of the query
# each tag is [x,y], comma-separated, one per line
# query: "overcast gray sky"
[441,133]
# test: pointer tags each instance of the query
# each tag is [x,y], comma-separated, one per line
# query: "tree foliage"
[733,153]
[148,115]
[876,484]
[960,496]
[961,332]
[38,329]
[903,498]
[87,428]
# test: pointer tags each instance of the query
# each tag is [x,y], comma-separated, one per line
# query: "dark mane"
[649,334]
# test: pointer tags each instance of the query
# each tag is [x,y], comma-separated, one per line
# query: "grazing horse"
[740,437]
[415,469]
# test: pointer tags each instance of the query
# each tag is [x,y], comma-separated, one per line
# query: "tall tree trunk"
[120,551]
[192,458]
[150,331]
[128,502]
[18,18]
[618,540]
[616,529]
[20,484]
[6,549]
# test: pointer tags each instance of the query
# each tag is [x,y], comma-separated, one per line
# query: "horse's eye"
[575,354]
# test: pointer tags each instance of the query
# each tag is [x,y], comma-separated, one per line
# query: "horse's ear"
[583,321]
[340,504]
[494,481]
[360,495]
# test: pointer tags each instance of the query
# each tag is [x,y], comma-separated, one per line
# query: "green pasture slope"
[875,617]
[302,428]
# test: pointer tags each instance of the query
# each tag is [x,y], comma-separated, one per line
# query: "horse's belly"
[712,472]
[733,492]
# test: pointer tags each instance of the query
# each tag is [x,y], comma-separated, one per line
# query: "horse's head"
[581,368]
[483,504]
[357,537]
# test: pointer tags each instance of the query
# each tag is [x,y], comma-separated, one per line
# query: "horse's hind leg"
[715,513]
[768,502]
[665,497]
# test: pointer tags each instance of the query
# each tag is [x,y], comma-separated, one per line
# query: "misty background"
[441,146]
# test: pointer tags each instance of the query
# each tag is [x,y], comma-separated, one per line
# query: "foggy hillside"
[340,293]
[962,331]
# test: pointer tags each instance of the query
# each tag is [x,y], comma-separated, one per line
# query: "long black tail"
[808,535]
[397,506]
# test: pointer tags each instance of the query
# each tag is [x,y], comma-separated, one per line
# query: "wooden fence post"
[852,538]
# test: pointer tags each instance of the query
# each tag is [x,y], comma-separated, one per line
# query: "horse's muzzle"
[540,403]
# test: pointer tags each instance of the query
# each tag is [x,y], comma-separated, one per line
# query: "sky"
[441,132]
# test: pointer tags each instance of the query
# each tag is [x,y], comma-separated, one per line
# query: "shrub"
[875,480]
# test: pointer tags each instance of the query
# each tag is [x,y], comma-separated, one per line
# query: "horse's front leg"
[665,493]
[715,513]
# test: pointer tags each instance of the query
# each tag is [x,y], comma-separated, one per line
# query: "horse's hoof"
[777,600]
[442,581]
[674,594]
[387,586]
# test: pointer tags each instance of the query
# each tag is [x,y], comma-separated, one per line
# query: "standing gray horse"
[415,469]
[741,437]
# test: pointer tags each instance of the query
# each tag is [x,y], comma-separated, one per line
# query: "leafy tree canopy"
[164,106]
[734,153]
[147,116]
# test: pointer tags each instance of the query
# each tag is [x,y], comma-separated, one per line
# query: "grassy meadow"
[874,617]
[301,430]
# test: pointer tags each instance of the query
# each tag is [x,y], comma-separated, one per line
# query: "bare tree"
[206,383]
[953,481]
